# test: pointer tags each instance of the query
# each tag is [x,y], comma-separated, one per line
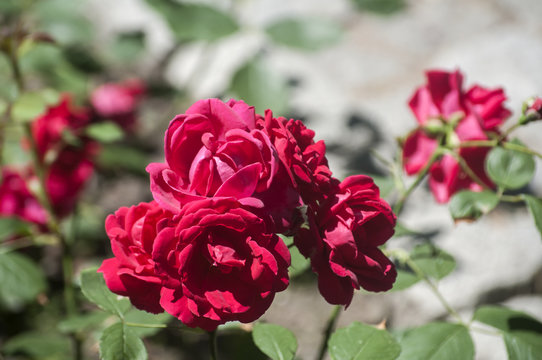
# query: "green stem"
[212,344]
[484,331]
[419,272]
[466,168]
[521,148]
[331,323]
[511,198]
[421,175]
[150,326]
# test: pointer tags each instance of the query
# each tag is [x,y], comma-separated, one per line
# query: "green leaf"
[437,341]
[522,345]
[275,341]
[506,319]
[94,288]
[383,7]
[299,263]
[12,226]
[405,279]
[142,317]
[434,262]
[362,342]
[508,168]
[305,33]
[535,208]
[82,322]
[39,345]
[21,280]
[470,205]
[119,342]
[128,46]
[105,132]
[385,184]
[521,332]
[82,59]
[32,104]
[193,21]
[118,157]
[260,87]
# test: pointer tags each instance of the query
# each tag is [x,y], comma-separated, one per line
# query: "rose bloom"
[118,102]
[131,272]
[473,115]
[17,200]
[220,263]
[343,238]
[303,158]
[67,167]
[215,150]
[47,129]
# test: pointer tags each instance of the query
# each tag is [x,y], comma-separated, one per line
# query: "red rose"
[215,150]
[304,159]
[17,200]
[47,129]
[118,102]
[221,264]
[343,238]
[67,167]
[132,271]
[448,114]
[67,176]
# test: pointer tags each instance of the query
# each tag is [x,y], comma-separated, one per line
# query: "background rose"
[118,102]
[221,264]
[131,272]
[214,149]
[67,166]
[448,115]
[343,238]
[17,200]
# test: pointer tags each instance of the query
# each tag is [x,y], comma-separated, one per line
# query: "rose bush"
[68,164]
[448,116]
[343,237]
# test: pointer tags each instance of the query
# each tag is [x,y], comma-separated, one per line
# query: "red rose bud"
[532,110]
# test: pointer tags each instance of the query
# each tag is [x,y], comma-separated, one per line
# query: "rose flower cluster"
[206,248]
[449,116]
[64,152]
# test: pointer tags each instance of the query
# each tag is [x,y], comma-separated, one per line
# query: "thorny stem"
[466,168]
[53,223]
[419,272]
[212,344]
[421,175]
[331,322]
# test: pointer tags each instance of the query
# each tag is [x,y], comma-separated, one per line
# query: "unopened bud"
[434,127]
[532,110]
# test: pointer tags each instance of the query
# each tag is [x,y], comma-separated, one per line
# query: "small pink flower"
[118,102]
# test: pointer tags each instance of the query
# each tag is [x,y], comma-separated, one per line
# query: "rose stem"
[212,344]
[53,225]
[331,322]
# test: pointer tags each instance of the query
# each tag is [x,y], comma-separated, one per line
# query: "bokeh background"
[347,71]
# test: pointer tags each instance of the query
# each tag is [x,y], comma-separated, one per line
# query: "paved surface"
[369,76]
